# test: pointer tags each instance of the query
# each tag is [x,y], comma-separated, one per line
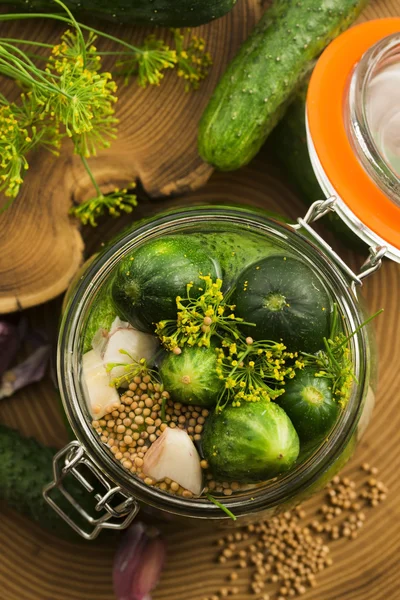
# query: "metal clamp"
[71,460]
[319,209]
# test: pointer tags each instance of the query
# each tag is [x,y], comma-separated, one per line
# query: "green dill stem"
[21,73]
[92,179]
[77,28]
[334,321]
[21,16]
[221,506]
[163,403]
[26,42]
[366,322]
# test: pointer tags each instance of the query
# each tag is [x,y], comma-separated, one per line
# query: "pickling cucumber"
[234,251]
[250,443]
[167,13]
[259,83]
[149,279]
[25,468]
[191,377]
[310,405]
[287,302]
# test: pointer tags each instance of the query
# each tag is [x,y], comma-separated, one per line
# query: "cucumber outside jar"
[213,450]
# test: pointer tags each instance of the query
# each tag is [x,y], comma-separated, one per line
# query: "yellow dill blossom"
[252,371]
[18,135]
[116,203]
[82,97]
[199,319]
[193,62]
[149,64]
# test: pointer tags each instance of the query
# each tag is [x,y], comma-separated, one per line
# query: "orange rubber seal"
[325,101]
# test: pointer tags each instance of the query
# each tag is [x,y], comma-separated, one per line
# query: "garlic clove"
[175,456]
[138,562]
[137,344]
[99,394]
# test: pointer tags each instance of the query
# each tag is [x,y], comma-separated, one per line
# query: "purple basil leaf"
[32,369]
[9,343]
[138,562]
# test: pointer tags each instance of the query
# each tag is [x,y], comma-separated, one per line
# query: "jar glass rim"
[69,352]
[382,173]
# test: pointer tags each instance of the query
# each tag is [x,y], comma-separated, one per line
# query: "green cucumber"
[259,83]
[309,403]
[286,300]
[102,314]
[25,468]
[149,279]
[289,142]
[236,251]
[250,443]
[166,13]
[191,377]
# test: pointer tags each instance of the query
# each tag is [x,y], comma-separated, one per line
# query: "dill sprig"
[334,362]
[133,369]
[115,203]
[254,371]
[148,66]
[193,62]
[67,94]
[200,318]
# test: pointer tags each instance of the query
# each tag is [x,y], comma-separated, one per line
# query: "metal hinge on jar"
[73,461]
[319,209]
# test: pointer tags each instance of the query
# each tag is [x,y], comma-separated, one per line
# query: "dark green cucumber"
[287,302]
[167,13]
[25,468]
[250,443]
[102,314]
[259,83]
[236,251]
[149,279]
[289,142]
[309,403]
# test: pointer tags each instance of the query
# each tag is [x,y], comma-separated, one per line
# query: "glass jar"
[365,200]
[90,453]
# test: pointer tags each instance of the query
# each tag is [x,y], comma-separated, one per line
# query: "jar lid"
[361,203]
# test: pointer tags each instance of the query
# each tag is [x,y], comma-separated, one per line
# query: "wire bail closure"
[70,460]
[318,210]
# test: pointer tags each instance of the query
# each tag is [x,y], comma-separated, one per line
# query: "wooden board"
[156,145]
[37,566]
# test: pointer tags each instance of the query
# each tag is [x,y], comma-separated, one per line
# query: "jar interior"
[262,239]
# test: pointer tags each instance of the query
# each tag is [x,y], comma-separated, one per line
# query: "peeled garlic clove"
[175,456]
[137,344]
[138,562]
[96,382]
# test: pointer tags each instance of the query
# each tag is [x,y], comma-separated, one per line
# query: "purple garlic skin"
[138,562]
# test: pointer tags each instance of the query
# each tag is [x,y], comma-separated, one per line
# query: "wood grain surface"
[37,566]
[156,145]
[34,565]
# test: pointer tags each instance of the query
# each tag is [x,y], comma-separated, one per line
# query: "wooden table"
[37,566]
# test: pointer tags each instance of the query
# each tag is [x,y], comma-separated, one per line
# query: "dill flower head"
[81,97]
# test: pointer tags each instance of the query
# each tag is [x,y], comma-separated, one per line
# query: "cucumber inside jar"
[214,387]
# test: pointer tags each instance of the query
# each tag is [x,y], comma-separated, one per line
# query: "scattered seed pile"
[286,553]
